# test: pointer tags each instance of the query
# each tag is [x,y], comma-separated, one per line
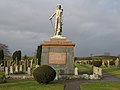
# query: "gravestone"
[29,71]
[97,71]
[16,68]
[11,69]
[21,68]
[6,71]
[103,63]
[58,51]
[31,63]
[117,62]
[76,71]
[108,61]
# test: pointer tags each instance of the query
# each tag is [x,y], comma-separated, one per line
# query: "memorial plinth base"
[58,53]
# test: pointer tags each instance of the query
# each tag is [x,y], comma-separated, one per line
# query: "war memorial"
[58,51]
[71,73]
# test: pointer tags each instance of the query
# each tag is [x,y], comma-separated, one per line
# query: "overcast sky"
[94,25]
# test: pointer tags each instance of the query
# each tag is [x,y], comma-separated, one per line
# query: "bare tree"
[4,47]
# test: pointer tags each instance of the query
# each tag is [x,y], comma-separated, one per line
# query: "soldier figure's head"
[58,6]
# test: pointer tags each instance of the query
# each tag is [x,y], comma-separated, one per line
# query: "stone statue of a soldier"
[58,20]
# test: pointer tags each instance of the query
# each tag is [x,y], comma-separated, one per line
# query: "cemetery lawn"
[101,86]
[113,70]
[2,73]
[29,85]
[81,69]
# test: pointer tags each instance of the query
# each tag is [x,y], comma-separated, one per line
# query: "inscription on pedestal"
[57,57]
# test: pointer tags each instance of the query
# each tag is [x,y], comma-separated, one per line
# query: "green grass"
[30,85]
[101,86]
[88,65]
[113,70]
[2,73]
[81,69]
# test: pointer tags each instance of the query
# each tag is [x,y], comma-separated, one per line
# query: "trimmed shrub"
[44,74]
[97,63]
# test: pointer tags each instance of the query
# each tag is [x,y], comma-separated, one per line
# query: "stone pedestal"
[58,53]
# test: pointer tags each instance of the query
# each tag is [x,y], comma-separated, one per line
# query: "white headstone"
[11,69]
[103,63]
[56,78]
[95,70]
[6,70]
[20,67]
[31,63]
[76,71]
[29,71]
[16,68]
[117,62]
[108,63]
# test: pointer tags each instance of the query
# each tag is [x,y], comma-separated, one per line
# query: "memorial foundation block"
[58,53]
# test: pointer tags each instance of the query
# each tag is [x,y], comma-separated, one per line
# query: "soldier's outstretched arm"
[52,16]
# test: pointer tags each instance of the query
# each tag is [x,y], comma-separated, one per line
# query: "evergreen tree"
[1,55]
[17,55]
[38,55]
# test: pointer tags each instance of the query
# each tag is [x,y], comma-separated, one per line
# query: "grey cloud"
[92,24]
